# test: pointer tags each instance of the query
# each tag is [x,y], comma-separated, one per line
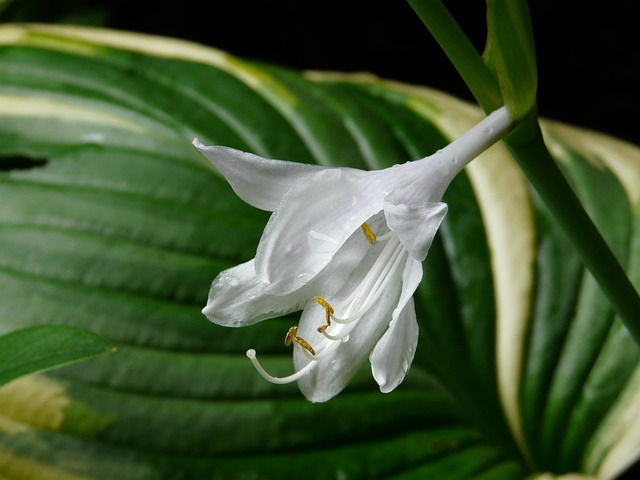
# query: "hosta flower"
[345,246]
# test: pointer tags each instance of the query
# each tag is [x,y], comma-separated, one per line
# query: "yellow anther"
[291,336]
[304,344]
[368,233]
[325,304]
[328,310]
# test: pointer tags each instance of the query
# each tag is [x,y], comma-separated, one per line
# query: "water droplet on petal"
[487,130]
[345,338]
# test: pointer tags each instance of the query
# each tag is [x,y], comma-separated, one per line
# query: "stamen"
[341,320]
[368,233]
[291,336]
[328,309]
[383,279]
[367,290]
[304,344]
[358,303]
[342,336]
[251,354]
[384,236]
[367,293]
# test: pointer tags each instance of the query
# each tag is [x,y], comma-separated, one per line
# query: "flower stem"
[527,146]
[544,174]
[460,51]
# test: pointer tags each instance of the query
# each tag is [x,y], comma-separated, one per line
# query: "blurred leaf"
[34,349]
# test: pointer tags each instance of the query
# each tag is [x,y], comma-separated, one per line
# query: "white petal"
[237,298]
[336,367]
[311,224]
[416,224]
[335,370]
[411,277]
[393,354]
[260,182]
[339,275]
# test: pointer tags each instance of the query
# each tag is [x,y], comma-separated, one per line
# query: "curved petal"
[311,223]
[411,277]
[336,368]
[338,361]
[393,354]
[237,298]
[260,182]
[416,224]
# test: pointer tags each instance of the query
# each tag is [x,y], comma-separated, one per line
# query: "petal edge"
[394,352]
[237,298]
[261,182]
[416,224]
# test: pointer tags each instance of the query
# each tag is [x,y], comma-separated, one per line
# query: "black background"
[587,51]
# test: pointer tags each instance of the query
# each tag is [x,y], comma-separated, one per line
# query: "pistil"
[251,354]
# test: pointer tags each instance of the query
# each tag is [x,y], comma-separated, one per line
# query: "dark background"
[587,51]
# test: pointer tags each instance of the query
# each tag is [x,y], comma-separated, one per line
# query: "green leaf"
[110,221]
[34,349]
[512,53]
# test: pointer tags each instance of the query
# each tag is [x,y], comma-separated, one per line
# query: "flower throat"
[337,329]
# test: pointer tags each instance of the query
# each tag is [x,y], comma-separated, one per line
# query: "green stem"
[529,150]
[460,51]
[527,146]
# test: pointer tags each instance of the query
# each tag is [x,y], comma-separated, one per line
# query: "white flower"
[346,246]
